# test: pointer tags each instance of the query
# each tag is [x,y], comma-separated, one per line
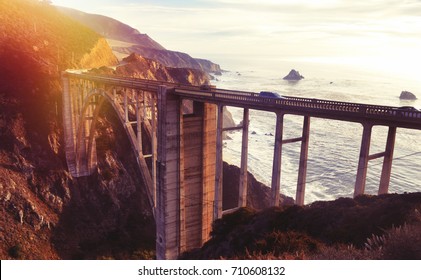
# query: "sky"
[375,33]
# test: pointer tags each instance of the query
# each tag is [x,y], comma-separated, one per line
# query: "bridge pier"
[217,210]
[302,170]
[365,157]
[363,160]
[186,175]
[242,195]
[387,162]
[277,157]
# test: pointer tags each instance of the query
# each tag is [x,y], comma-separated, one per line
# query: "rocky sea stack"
[407,95]
[293,76]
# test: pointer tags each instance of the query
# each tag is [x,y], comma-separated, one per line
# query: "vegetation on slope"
[112,29]
[368,227]
[36,43]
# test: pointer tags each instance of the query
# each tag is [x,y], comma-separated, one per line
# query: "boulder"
[407,95]
[293,76]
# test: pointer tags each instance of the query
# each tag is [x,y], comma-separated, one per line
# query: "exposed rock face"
[228,120]
[293,76]
[139,67]
[258,195]
[406,95]
[209,66]
[171,58]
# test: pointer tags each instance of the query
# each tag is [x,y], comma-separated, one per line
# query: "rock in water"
[407,95]
[293,76]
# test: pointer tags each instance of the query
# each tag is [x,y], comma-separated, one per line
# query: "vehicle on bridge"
[409,108]
[271,94]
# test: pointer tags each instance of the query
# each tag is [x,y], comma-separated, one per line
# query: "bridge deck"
[329,109]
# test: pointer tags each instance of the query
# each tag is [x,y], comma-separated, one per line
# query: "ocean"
[334,145]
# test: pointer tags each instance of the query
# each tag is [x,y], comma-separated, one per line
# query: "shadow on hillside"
[109,216]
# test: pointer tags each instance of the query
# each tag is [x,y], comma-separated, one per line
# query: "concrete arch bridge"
[179,152]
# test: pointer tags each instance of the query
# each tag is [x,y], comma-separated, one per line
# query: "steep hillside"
[368,227]
[112,29]
[127,40]
[45,213]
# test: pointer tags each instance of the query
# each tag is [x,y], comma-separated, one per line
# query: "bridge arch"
[85,139]
[86,106]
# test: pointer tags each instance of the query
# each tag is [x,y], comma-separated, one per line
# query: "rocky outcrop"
[228,120]
[258,195]
[209,66]
[170,58]
[293,76]
[406,95]
[137,66]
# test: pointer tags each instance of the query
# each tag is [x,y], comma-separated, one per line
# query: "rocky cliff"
[170,58]
[139,67]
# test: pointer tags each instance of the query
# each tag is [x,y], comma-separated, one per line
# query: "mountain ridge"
[142,44]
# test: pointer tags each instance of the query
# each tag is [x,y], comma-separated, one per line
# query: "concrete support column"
[139,120]
[114,95]
[217,211]
[82,143]
[154,146]
[69,128]
[170,206]
[277,156]
[387,161]
[242,196]
[209,159]
[302,171]
[126,107]
[363,161]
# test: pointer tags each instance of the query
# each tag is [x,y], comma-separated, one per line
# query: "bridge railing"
[291,102]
